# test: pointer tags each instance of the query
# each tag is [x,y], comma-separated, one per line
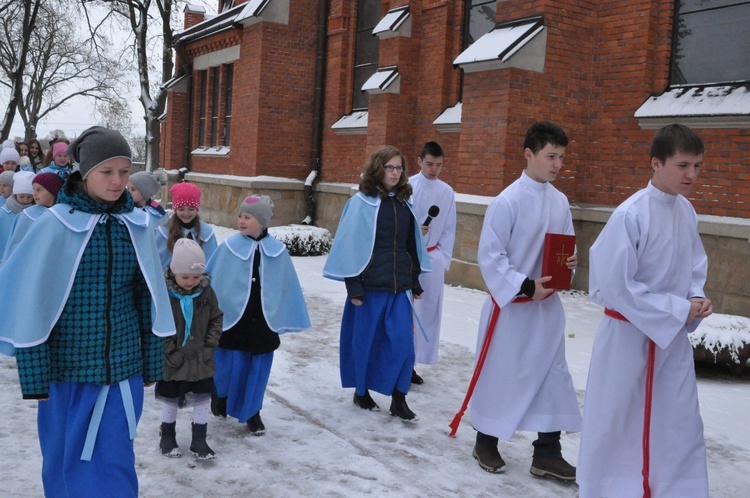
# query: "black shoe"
[168,442]
[199,447]
[400,409]
[255,425]
[366,402]
[555,467]
[219,407]
[416,379]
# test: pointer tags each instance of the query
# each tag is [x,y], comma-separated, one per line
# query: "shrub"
[304,240]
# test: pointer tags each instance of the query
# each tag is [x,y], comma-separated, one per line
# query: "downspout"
[188,70]
[318,111]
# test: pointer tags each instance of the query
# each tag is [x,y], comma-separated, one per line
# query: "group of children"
[122,314]
[203,320]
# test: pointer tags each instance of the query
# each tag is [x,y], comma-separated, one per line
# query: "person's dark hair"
[675,138]
[433,149]
[374,171]
[542,133]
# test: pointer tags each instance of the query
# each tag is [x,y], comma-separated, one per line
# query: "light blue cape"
[231,269]
[208,242]
[355,238]
[32,307]
[21,225]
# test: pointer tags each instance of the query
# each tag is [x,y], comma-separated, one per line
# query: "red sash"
[646,407]
[430,249]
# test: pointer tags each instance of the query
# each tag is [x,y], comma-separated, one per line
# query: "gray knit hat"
[259,207]
[7,177]
[147,184]
[96,145]
[187,258]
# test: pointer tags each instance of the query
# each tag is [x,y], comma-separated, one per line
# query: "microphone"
[431,213]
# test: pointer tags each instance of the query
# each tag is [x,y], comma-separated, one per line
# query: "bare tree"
[15,50]
[139,16]
[64,65]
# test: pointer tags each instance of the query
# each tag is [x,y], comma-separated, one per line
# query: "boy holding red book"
[525,384]
[642,430]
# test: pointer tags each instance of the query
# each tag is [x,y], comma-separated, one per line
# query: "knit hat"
[8,143]
[25,161]
[96,145]
[9,154]
[51,182]
[22,183]
[185,194]
[59,148]
[259,207]
[7,177]
[187,258]
[146,183]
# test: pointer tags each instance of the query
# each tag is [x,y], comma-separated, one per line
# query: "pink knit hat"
[185,194]
[59,148]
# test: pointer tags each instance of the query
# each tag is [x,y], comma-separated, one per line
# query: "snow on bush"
[304,240]
[725,338]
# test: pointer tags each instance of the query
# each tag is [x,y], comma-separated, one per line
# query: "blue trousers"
[63,422]
[377,345]
[242,377]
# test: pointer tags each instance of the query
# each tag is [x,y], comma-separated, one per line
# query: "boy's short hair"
[543,133]
[433,149]
[675,138]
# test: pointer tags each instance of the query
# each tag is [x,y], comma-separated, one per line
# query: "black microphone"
[431,213]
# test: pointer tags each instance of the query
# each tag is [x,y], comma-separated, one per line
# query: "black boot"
[198,446]
[219,407]
[487,455]
[366,402]
[416,379]
[255,425]
[400,409]
[168,442]
[548,460]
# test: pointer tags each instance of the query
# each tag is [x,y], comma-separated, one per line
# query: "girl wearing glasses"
[379,254]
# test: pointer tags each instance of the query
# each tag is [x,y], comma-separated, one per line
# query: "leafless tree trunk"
[140,15]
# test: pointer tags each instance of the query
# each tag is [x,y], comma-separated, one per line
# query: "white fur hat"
[187,258]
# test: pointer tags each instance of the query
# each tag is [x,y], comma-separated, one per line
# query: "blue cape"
[231,268]
[356,232]
[21,225]
[62,237]
[162,235]
[7,217]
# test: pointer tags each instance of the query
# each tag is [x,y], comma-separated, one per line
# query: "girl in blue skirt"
[378,252]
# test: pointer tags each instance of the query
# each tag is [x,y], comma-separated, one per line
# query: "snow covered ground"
[319,444]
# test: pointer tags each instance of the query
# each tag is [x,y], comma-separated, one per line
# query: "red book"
[558,248]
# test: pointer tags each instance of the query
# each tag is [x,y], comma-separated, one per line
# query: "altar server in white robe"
[648,268]
[439,235]
[525,384]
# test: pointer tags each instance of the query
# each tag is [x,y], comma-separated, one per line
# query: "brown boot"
[555,467]
[487,455]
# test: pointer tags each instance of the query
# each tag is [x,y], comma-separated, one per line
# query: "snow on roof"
[252,8]
[451,115]
[392,20]
[381,80]
[196,9]
[725,100]
[357,119]
[502,42]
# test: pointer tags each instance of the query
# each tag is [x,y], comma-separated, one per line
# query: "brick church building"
[264,87]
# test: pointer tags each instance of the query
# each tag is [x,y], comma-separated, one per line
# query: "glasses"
[390,168]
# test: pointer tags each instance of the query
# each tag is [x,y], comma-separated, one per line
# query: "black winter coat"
[394,264]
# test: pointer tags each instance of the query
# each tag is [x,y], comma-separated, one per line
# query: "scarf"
[15,206]
[186,305]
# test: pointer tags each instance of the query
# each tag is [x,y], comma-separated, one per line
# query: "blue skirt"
[63,422]
[377,345]
[242,377]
